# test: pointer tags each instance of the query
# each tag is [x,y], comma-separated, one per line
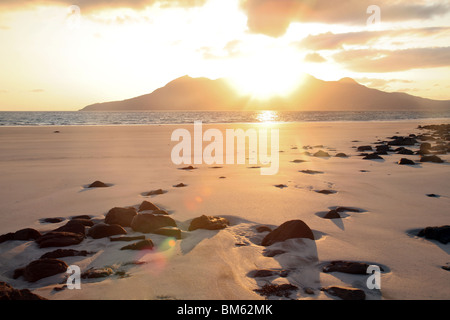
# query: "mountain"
[188,93]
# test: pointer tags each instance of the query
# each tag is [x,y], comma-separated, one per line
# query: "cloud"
[371,60]
[95,5]
[331,41]
[382,84]
[314,57]
[273,17]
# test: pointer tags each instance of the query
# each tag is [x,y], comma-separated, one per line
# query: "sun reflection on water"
[268,116]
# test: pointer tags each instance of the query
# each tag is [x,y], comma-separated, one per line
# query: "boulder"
[364,148]
[43,268]
[74,226]
[84,222]
[155,192]
[102,230]
[341,155]
[83,216]
[23,234]
[432,158]
[347,267]
[169,232]
[51,220]
[405,151]
[59,239]
[208,222]
[147,205]
[180,185]
[97,273]
[441,234]
[141,245]
[7,292]
[98,184]
[372,156]
[404,161]
[147,222]
[288,230]
[345,293]
[402,141]
[120,216]
[332,214]
[321,153]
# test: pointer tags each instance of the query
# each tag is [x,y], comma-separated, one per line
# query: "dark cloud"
[273,17]
[330,41]
[93,5]
[372,60]
[314,57]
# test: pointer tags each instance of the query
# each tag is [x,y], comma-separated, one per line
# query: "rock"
[321,153]
[402,141]
[383,148]
[364,148]
[120,216]
[155,192]
[169,232]
[425,147]
[288,230]
[347,267]
[279,290]
[159,211]
[147,205]
[346,209]
[432,158]
[298,161]
[98,184]
[273,253]
[59,239]
[441,234]
[83,216]
[123,238]
[309,291]
[102,230]
[263,229]
[73,226]
[405,151]
[61,253]
[43,268]
[141,245]
[84,222]
[188,168]
[281,186]
[51,220]
[433,195]
[147,222]
[7,292]
[326,191]
[310,171]
[404,161]
[23,235]
[372,156]
[332,214]
[209,223]
[346,293]
[263,273]
[97,273]
[180,185]
[341,155]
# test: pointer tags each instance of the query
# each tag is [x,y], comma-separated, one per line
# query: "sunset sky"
[54,57]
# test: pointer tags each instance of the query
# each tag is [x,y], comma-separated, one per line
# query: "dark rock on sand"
[84,222]
[298,161]
[433,195]
[73,226]
[279,290]
[180,185]
[327,192]
[383,148]
[141,245]
[364,148]
[432,158]
[441,234]
[155,192]
[7,292]
[98,184]
[404,161]
[102,230]
[263,229]
[405,151]
[347,267]
[403,141]
[321,153]
[188,168]
[43,268]
[82,216]
[169,232]
[372,156]
[23,235]
[332,214]
[120,216]
[61,253]
[281,186]
[341,155]
[51,220]
[310,171]
[262,273]
[97,273]
[288,230]
[148,222]
[147,205]
[346,293]
[59,239]
[208,222]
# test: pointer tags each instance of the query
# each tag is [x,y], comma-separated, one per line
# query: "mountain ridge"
[187,93]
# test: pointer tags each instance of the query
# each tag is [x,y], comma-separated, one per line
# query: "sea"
[86,118]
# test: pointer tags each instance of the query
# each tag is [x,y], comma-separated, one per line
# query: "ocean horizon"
[92,118]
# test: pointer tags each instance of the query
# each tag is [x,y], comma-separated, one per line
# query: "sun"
[267,75]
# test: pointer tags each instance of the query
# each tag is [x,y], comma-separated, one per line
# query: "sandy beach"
[44,174]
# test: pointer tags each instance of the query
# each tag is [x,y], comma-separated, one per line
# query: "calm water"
[181,117]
